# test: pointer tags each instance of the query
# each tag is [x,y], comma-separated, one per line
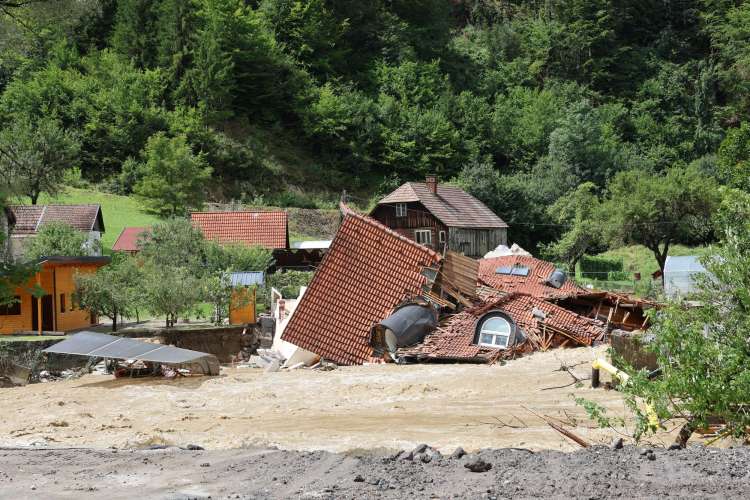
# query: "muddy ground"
[369,407]
[696,472]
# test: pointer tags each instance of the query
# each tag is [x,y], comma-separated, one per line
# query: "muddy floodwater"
[351,408]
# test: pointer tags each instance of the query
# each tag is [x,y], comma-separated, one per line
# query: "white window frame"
[499,339]
[441,237]
[400,209]
[422,233]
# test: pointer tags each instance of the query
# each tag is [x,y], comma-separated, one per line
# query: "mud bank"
[696,472]
[366,407]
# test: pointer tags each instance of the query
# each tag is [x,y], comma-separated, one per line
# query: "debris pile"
[379,296]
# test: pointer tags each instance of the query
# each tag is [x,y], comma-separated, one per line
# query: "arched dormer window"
[494,330]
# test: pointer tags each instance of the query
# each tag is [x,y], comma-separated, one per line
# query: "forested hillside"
[529,104]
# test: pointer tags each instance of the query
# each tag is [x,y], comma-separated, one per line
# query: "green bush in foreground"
[704,352]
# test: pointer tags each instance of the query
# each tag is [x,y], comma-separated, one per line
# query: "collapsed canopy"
[101,345]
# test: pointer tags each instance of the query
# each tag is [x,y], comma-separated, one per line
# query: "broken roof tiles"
[263,228]
[456,339]
[368,271]
[29,218]
[532,283]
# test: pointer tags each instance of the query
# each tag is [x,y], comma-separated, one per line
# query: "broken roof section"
[101,345]
[368,271]
[524,274]
[541,324]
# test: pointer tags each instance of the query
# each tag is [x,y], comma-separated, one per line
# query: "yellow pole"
[603,364]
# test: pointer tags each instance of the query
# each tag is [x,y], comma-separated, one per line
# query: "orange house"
[55,310]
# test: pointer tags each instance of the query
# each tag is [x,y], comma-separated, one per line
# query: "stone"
[425,457]
[194,447]
[420,448]
[476,464]
[651,456]
[617,444]
[458,453]
[359,479]
[406,455]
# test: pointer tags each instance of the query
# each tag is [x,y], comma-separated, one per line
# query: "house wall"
[417,218]
[476,242]
[54,281]
[240,313]
[72,318]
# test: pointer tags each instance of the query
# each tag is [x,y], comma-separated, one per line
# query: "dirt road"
[256,473]
[368,407]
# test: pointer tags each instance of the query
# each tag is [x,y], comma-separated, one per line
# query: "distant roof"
[533,283]
[29,218]
[128,239]
[65,260]
[368,271]
[312,245]
[685,263]
[267,229]
[248,278]
[455,340]
[101,345]
[453,206]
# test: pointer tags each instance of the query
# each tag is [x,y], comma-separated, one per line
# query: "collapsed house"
[503,326]
[541,279]
[380,296]
[369,270]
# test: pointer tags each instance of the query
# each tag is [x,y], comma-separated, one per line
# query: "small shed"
[242,306]
[680,275]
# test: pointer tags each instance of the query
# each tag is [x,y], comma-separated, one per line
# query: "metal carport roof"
[101,345]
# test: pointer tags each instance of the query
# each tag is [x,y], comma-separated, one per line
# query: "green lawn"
[118,211]
[639,259]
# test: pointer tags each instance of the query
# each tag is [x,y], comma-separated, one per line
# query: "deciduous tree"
[59,238]
[36,156]
[657,210]
[172,178]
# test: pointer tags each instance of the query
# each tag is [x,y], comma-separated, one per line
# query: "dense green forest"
[530,104]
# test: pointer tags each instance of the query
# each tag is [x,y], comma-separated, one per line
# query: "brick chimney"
[431,181]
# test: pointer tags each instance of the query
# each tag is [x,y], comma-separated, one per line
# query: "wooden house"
[46,303]
[442,217]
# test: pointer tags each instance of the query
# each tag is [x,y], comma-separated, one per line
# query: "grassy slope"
[118,211]
[639,259]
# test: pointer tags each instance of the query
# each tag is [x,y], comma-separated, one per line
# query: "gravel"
[695,472]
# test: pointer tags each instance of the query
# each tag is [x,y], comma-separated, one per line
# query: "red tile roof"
[128,239]
[368,270]
[455,340]
[533,284]
[29,218]
[267,229]
[452,205]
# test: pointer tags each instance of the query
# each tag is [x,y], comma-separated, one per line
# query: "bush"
[289,282]
[596,267]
